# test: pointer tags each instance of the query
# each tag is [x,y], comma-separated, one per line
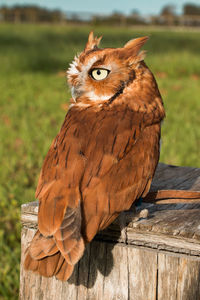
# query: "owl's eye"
[99,74]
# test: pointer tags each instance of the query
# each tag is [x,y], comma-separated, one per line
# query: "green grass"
[33,102]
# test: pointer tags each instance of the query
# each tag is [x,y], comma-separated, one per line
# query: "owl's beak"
[73,93]
[76,93]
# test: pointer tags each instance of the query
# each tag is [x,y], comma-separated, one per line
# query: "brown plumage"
[103,158]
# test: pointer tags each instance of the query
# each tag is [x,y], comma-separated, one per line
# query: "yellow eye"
[99,74]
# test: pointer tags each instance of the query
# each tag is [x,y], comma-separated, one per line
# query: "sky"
[145,7]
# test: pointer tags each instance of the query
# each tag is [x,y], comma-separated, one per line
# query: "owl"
[104,157]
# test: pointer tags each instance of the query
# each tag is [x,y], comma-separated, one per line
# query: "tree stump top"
[168,227]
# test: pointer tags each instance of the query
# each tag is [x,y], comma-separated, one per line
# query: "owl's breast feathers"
[101,161]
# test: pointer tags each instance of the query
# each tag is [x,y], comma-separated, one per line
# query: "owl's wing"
[58,243]
[123,153]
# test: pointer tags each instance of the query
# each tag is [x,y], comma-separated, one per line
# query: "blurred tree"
[135,12]
[135,18]
[191,9]
[30,14]
[168,10]
[168,15]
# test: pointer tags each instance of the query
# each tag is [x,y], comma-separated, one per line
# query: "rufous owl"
[104,157]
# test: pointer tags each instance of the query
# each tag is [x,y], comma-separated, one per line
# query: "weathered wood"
[148,258]
[178,278]
[116,284]
[96,278]
[168,276]
[142,274]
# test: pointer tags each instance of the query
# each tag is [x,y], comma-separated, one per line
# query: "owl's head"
[102,74]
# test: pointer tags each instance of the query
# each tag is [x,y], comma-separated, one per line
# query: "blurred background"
[38,40]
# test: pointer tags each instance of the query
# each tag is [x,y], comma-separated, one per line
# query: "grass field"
[34,99]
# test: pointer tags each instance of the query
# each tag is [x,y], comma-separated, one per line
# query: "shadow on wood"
[86,270]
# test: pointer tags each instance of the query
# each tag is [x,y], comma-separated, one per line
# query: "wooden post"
[157,257]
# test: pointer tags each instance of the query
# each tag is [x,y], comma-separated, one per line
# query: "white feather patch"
[73,67]
[87,67]
[94,97]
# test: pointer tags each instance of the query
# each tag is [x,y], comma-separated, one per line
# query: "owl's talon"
[142,214]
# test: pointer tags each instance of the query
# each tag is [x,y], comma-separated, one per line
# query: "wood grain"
[142,274]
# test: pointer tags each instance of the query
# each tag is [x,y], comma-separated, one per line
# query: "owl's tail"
[46,257]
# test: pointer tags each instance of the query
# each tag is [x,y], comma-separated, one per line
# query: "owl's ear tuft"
[136,44]
[92,42]
[131,50]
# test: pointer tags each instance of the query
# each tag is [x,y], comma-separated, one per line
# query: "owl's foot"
[142,214]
